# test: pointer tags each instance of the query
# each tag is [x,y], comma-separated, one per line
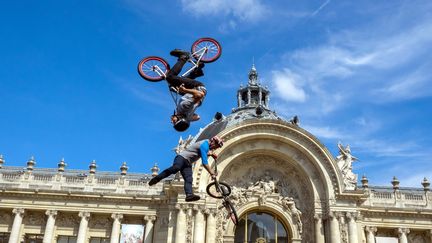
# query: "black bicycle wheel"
[232,213]
[212,190]
[153,68]
[208,49]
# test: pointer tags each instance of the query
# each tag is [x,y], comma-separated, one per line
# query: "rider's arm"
[197,95]
[204,150]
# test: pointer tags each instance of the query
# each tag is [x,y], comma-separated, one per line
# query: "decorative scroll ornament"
[344,161]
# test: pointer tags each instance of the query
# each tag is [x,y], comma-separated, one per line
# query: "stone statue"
[344,162]
[182,144]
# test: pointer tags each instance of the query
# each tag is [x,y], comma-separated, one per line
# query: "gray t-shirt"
[192,153]
[186,108]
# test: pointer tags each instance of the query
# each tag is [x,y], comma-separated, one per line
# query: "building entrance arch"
[261,227]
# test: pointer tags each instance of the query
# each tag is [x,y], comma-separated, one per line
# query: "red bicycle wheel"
[206,50]
[153,68]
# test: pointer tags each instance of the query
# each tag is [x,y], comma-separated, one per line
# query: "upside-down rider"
[184,160]
[192,91]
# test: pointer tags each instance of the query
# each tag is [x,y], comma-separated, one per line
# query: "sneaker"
[153,181]
[192,197]
[179,53]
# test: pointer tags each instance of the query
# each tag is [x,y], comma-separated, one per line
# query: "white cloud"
[324,132]
[288,86]
[320,8]
[244,10]
[234,12]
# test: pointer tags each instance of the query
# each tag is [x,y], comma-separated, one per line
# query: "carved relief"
[417,237]
[5,217]
[35,218]
[67,220]
[256,177]
[100,221]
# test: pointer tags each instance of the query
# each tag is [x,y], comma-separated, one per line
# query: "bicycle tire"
[147,68]
[213,52]
[233,214]
[211,190]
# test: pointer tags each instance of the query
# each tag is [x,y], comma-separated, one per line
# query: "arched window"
[260,227]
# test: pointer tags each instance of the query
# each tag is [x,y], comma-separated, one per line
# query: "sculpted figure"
[344,161]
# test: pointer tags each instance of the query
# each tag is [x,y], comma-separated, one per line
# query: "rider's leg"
[186,173]
[176,167]
[175,80]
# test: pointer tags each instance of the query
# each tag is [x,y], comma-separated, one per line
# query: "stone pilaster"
[211,225]
[352,227]
[180,232]
[115,231]
[334,227]
[149,223]
[402,232]
[82,232]
[199,227]
[319,229]
[370,234]
[49,228]
[16,226]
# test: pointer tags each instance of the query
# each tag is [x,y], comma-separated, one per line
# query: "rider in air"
[192,91]
[183,163]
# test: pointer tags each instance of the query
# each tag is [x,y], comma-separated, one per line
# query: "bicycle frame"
[201,53]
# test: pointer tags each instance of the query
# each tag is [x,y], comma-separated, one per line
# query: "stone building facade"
[286,186]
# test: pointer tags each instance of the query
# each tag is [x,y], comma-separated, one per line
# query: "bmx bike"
[203,50]
[221,190]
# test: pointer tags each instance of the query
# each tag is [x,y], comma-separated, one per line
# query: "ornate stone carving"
[344,161]
[259,177]
[52,213]
[117,216]
[67,220]
[34,218]
[151,218]
[5,218]
[402,231]
[18,211]
[371,229]
[99,222]
[418,237]
[182,144]
[84,214]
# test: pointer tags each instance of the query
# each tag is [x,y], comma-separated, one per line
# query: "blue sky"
[355,72]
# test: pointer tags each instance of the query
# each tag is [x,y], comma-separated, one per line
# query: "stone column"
[352,228]
[211,225]
[334,227]
[370,234]
[115,231]
[82,232]
[180,233]
[148,234]
[199,227]
[49,228]
[16,227]
[402,232]
[319,229]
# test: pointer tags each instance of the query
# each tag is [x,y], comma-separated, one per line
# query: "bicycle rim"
[153,68]
[213,191]
[232,213]
[206,50]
